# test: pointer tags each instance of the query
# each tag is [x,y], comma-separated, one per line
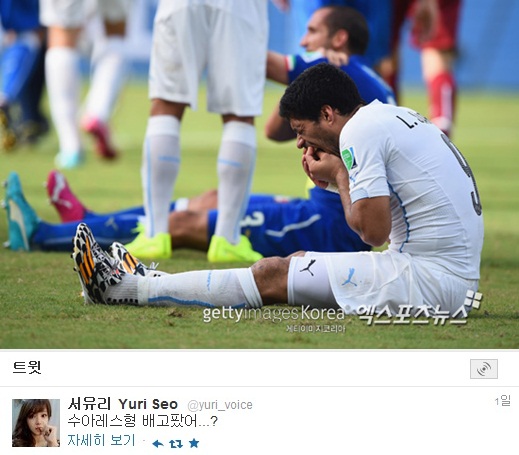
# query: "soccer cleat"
[220,250]
[69,160]
[97,271]
[8,137]
[128,263]
[31,131]
[21,218]
[101,134]
[157,247]
[61,197]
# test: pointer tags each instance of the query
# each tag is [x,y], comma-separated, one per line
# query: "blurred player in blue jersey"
[339,29]
[21,73]
[377,13]
[274,225]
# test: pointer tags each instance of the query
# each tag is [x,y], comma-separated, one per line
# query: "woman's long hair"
[22,435]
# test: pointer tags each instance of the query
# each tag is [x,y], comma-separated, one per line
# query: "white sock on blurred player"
[109,64]
[236,161]
[62,77]
[159,170]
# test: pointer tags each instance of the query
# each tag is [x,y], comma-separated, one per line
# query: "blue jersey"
[370,84]
[278,226]
[19,15]
[378,15]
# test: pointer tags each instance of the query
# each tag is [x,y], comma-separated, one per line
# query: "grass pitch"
[39,293]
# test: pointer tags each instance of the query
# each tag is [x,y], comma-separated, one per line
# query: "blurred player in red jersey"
[434,31]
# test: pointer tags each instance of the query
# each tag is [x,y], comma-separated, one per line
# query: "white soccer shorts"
[383,281]
[75,13]
[225,40]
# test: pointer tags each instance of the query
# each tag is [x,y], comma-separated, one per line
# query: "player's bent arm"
[277,128]
[276,68]
[368,217]
[371,219]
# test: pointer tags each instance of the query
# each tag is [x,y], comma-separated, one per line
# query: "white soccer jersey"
[435,206]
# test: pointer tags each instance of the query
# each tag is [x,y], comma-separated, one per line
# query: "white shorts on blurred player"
[235,67]
[75,13]
[226,41]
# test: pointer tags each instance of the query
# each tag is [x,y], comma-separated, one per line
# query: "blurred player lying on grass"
[275,225]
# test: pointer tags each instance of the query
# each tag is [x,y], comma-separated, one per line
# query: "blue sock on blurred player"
[107,228]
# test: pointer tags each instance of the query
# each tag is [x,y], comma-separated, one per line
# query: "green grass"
[39,293]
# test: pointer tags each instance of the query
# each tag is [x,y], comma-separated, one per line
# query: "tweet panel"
[207,402]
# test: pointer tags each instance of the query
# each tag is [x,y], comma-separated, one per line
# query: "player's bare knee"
[271,276]
[164,107]
[297,254]
[188,229]
[115,28]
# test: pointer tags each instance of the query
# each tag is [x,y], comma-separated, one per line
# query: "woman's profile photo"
[33,427]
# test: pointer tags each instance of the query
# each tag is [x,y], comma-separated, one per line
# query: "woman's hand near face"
[50,435]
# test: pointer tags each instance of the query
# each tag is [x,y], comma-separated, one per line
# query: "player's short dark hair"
[317,86]
[351,20]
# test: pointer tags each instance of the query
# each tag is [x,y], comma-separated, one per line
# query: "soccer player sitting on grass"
[399,178]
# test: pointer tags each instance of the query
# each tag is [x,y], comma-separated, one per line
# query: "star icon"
[193,443]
